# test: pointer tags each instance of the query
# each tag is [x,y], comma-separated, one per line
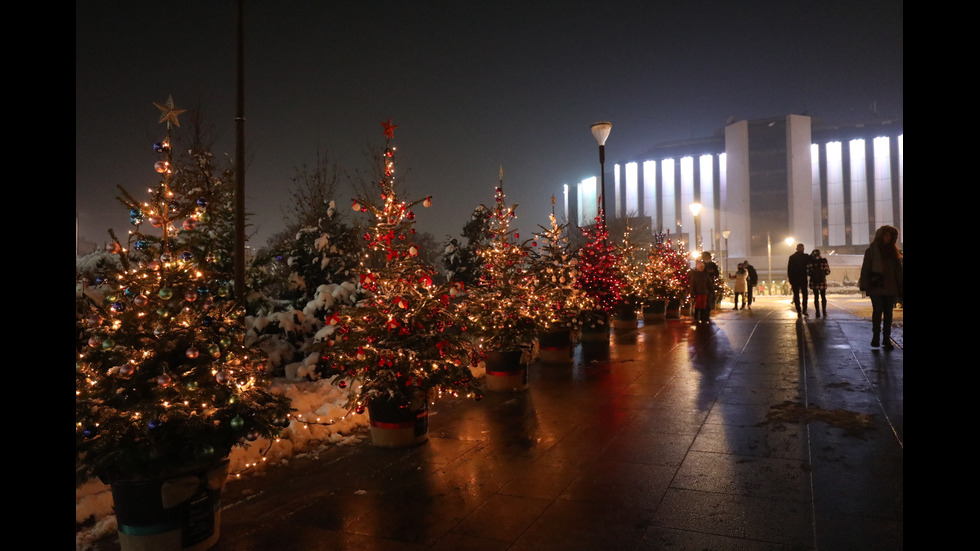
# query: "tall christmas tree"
[406,337]
[553,272]
[165,379]
[500,305]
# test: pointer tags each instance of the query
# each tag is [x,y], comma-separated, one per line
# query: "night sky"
[472,87]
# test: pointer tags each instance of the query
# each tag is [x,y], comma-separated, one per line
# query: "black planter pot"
[182,512]
[656,311]
[625,317]
[506,370]
[673,310]
[398,426]
[555,346]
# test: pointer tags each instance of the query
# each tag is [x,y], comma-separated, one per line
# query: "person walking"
[751,280]
[712,269]
[818,270]
[796,274]
[741,284]
[701,283]
[881,279]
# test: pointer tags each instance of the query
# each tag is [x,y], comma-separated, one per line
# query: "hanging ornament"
[237,422]
[108,344]
[223,376]
[126,370]
[202,202]
[360,355]
[427,202]
[161,147]
[163,380]
[161,166]
[165,293]
[189,224]
[192,352]
[356,206]
[190,295]
[204,218]
[252,435]
[214,350]
[412,251]
[154,424]
[113,248]
[118,307]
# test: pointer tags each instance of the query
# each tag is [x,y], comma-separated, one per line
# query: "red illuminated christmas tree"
[599,277]
[406,337]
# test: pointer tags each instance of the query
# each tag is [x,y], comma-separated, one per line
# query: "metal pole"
[240,162]
[769,249]
[602,180]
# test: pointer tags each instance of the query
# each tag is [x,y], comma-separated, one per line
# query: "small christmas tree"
[633,290]
[500,304]
[553,272]
[165,379]
[406,336]
[599,278]
[462,260]
[667,271]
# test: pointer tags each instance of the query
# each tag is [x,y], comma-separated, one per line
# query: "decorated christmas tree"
[500,305]
[633,290]
[667,271]
[406,338]
[599,278]
[165,379]
[553,272]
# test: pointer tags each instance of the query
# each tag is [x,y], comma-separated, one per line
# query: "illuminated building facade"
[763,181]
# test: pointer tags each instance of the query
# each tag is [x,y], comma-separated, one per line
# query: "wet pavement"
[757,431]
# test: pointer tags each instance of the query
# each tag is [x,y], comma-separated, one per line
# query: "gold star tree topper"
[168,112]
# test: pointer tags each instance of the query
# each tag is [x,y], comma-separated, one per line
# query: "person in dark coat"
[881,278]
[818,270]
[712,269]
[752,280]
[796,274]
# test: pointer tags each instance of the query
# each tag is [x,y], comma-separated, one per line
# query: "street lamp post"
[725,234]
[769,251]
[600,131]
[696,210]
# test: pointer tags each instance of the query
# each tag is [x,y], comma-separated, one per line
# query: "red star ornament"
[389,129]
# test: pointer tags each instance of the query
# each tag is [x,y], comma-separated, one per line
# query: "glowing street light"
[696,210]
[725,234]
[600,131]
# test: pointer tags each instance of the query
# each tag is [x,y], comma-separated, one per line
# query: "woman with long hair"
[881,280]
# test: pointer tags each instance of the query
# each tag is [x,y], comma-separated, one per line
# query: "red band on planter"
[392,426]
[504,373]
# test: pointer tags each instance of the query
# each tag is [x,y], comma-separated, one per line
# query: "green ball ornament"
[237,423]
[108,344]
[214,350]
[166,293]
[204,218]
[225,341]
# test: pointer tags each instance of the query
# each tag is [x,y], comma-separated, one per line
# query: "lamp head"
[600,131]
